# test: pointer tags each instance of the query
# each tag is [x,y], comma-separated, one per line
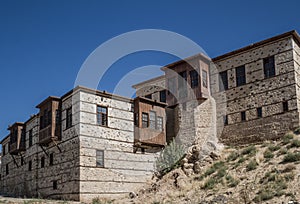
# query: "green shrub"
[221,172]
[170,157]
[282,151]
[251,165]
[210,183]
[231,182]
[251,150]
[268,154]
[233,156]
[287,137]
[210,171]
[291,157]
[297,131]
[273,148]
[289,168]
[295,143]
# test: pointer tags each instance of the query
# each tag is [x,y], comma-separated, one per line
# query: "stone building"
[89,143]
[78,147]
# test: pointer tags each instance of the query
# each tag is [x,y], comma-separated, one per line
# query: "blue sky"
[44,43]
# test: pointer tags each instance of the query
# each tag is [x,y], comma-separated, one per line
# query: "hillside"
[262,173]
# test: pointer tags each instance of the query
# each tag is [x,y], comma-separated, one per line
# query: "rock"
[188,166]
[132,195]
[214,155]
[197,167]
[188,172]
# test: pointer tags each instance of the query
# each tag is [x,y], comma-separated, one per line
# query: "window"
[269,67]
[223,81]
[99,158]
[29,165]
[22,161]
[30,138]
[149,96]
[285,106]
[225,119]
[136,119]
[159,123]
[162,96]
[152,120]
[194,78]
[6,169]
[102,115]
[240,75]
[172,86]
[69,118]
[144,120]
[41,122]
[243,116]
[204,79]
[182,84]
[259,112]
[3,150]
[57,117]
[54,184]
[42,162]
[51,159]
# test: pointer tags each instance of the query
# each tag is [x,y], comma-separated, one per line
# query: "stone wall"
[258,92]
[123,171]
[38,182]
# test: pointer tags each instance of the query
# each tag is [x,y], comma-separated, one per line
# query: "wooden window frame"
[163,96]
[145,123]
[240,75]
[158,123]
[102,117]
[194,78]
[223,81]
[101,159]
[269,67]
[69,117]
[152,121]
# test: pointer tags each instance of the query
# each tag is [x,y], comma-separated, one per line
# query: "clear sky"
[43,43]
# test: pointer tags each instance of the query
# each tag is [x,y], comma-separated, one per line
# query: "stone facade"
[268,104]
[72,173]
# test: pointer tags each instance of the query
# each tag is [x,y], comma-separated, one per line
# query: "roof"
[199,55]
[150,101]
[98,93]
[148,81]
[50,98]
[4,139]
[292,33]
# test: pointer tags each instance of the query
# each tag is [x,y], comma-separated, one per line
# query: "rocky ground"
[262,173]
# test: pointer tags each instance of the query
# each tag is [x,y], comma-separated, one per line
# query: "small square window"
[243,116]
[259,112]
[99,158]
[285,106]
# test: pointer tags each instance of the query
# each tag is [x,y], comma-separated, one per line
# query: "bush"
[291,157]
[251,165]
[268,154]
[264,195]
[294,143]
[169,158]
[289,168]
[286,138]
[231,182]
[273,148]
[282,151]
[233,156]
[251,150]
[210,183]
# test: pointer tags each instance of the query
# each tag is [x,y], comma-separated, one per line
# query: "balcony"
[149,137]
[15,148]
[46,136]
